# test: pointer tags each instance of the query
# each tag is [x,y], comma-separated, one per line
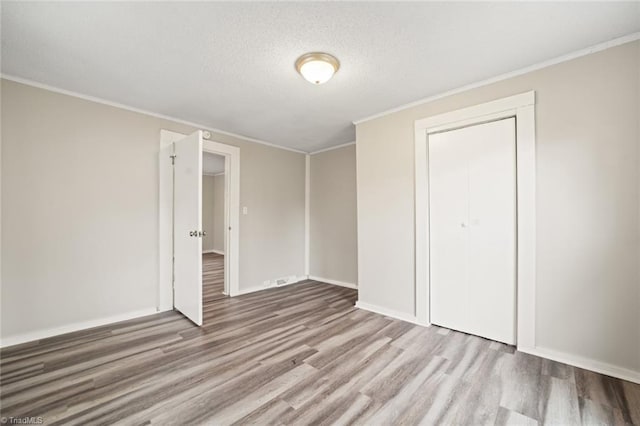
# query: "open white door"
[187,227]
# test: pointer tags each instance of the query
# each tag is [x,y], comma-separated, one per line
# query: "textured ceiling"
[230,65]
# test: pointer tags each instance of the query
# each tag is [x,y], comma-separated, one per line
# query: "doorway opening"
[184,236]
[214,205]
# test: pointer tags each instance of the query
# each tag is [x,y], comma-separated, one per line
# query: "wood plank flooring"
[212,278]
[300,354]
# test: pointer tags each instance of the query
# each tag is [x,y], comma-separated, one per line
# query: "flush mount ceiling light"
[317,67]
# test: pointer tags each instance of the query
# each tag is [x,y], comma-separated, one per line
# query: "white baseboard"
[333,282]
[389,313]
[262,287]
[70,328]
[212,251]
[585,363]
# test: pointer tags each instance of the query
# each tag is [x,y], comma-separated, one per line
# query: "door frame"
[165,223]
[522,107]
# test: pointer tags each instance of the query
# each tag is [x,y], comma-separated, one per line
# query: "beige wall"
[207,212]
[212,207]
[588,223]
[213,213]
[80,210]
[333,237]
[218,214]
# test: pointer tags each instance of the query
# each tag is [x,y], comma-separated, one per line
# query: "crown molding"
[331,148]
[557,60]
[141,111]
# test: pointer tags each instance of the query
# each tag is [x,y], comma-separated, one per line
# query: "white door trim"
[232,217]
[522,107]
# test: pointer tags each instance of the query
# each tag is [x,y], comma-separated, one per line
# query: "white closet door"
[187,225]
[448,218]
[472,229]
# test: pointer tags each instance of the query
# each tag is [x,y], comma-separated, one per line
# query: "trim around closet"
[522,107]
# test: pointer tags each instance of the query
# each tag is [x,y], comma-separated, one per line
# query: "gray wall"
[333,237]
[588,223]
[80,210]
[207,212]
[213,212]
[218,214]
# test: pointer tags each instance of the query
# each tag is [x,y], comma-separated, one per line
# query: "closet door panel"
[472,230]
[448,196]
[492,230]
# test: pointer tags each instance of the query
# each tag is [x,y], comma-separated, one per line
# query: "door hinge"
[173,159]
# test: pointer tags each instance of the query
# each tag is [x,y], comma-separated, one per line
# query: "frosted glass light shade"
[317,67]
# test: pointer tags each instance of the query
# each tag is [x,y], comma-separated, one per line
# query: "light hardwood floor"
[300,354]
